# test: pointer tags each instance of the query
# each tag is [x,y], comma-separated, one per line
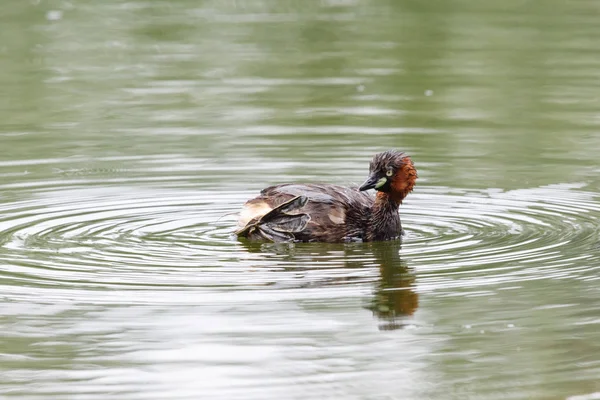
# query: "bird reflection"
[394,298]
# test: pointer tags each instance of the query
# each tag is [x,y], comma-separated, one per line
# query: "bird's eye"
[389,172]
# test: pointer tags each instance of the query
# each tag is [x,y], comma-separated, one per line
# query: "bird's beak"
[372,182]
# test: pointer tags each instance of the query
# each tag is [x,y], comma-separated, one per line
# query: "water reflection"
[393,296]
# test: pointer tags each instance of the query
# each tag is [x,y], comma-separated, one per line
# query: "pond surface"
[130,131]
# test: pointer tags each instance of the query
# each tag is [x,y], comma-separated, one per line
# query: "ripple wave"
[167,239]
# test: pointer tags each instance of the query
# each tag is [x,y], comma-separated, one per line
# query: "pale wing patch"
[252,210]
[337,216]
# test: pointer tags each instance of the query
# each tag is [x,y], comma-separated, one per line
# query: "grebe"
[331,213]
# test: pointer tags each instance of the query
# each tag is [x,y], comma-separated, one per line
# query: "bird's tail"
[279,224]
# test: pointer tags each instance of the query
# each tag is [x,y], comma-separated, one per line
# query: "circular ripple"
[130,238]
[119,237]
[474,238]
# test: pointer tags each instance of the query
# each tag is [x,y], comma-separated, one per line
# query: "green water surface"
[130,130]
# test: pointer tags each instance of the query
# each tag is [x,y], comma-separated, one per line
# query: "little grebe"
[332,213]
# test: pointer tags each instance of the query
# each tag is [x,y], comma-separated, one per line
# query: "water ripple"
[509,236]
[178,240]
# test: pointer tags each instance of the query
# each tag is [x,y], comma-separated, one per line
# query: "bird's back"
[337,213]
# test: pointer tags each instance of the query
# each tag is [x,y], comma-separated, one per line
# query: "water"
[131,130]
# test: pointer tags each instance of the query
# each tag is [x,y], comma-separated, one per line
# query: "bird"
[319,212]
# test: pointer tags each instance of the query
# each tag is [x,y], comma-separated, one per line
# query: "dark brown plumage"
[332,213]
